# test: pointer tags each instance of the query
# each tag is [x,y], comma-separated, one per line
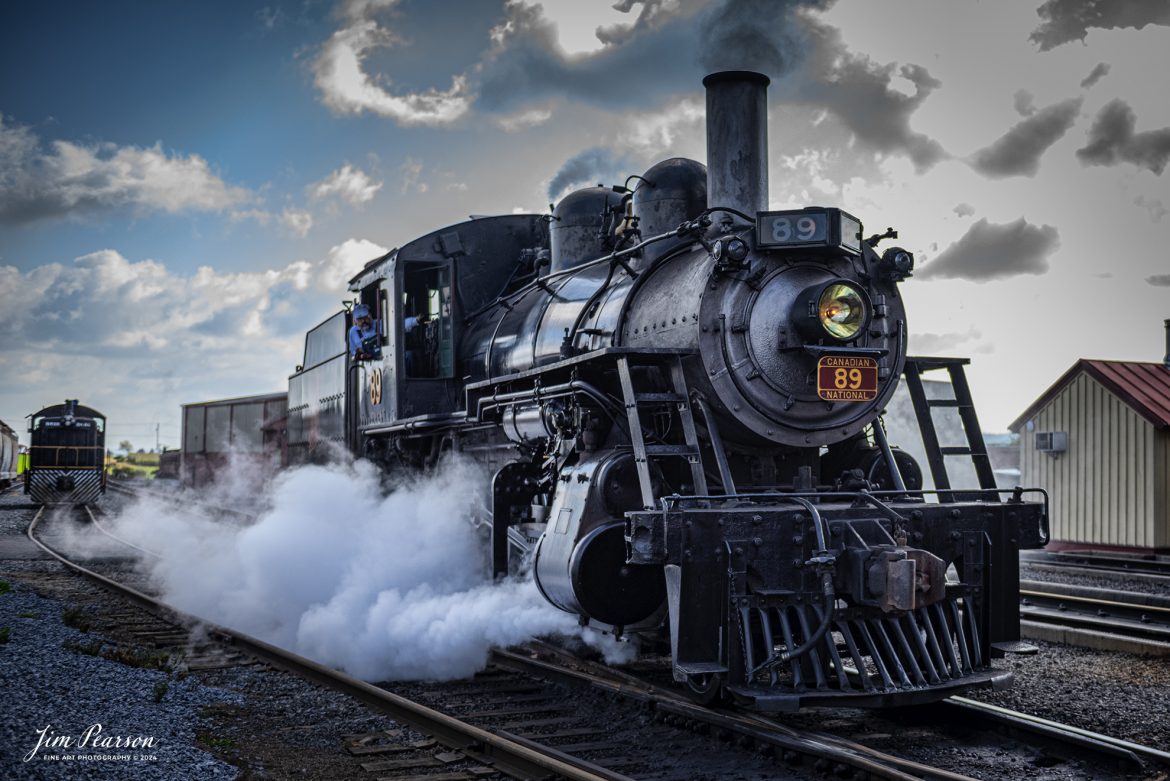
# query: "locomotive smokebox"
[737,140]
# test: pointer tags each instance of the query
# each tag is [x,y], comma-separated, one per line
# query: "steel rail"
[1130,598]
[1111,748]
[93,519]
[1096,618]
[522,760]
[820,746]
[1144,620]
[1155,566]
[180,499]
[1116,748]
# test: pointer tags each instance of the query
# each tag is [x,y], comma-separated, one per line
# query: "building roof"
[277,396]
[1143,386]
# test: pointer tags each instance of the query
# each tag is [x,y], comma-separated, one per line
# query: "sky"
[186,187]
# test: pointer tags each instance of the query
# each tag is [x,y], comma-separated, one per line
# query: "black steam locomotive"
[66,455]
[679,394]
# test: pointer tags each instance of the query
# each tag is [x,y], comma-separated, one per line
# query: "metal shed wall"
[1110,487]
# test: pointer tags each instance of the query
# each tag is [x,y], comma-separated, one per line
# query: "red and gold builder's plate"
[846,378]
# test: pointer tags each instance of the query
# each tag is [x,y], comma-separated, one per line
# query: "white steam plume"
[385,587]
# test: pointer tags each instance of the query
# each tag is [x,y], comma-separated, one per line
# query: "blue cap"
[360,311]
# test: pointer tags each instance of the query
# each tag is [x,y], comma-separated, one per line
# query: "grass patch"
[136,657]
[5,587]
[75,617]
[128,471]
[88,648]
[213,742]
[131,657]
[160,690]
[224,710]
[3,635]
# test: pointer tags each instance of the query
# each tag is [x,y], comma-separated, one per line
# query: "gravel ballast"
[87,705]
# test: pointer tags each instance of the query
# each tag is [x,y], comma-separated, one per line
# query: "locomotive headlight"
[842,311]
[838,310]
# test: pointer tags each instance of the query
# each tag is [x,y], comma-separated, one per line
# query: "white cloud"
[298,221]
[261,216]
[76,179]
[412,176]
[345,260]
[663,128]
[523,119]
[347,89]
[350,184]
[159,337]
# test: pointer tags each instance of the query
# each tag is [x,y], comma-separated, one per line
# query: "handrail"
[57,456]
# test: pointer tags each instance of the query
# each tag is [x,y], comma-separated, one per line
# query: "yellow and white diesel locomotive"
[66,455]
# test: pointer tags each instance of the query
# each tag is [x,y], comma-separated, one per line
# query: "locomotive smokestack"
[737,140]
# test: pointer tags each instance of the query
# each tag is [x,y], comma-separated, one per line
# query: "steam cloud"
[384,587]
[596,165]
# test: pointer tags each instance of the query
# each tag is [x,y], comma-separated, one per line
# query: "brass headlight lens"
[842,311]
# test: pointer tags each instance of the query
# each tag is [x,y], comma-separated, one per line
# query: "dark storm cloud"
[858,92]
[593,166]
[990,251]
[1071,20]
[619,34]
[1095,75]
[1017,152]
[1112,140]
[1159,280]
[662,55]
[810,64]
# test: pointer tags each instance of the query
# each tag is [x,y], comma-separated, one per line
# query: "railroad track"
[518,758]
[832,752]
[137,492]
[1096,618]
[516,718]
[1151,565]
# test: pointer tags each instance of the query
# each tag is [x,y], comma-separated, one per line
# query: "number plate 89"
[845,378]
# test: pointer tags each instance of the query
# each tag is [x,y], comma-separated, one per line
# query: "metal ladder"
[678,399]
[936,454]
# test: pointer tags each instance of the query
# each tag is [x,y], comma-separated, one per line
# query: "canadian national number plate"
[845,378]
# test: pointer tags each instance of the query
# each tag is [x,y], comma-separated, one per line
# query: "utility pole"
[156,446]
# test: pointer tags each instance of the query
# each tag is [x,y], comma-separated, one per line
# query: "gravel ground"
[1094,579]
[253,722]
[238,722]
[48,682]
[1120,695]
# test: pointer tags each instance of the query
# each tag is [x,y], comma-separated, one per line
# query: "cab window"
[429,348]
